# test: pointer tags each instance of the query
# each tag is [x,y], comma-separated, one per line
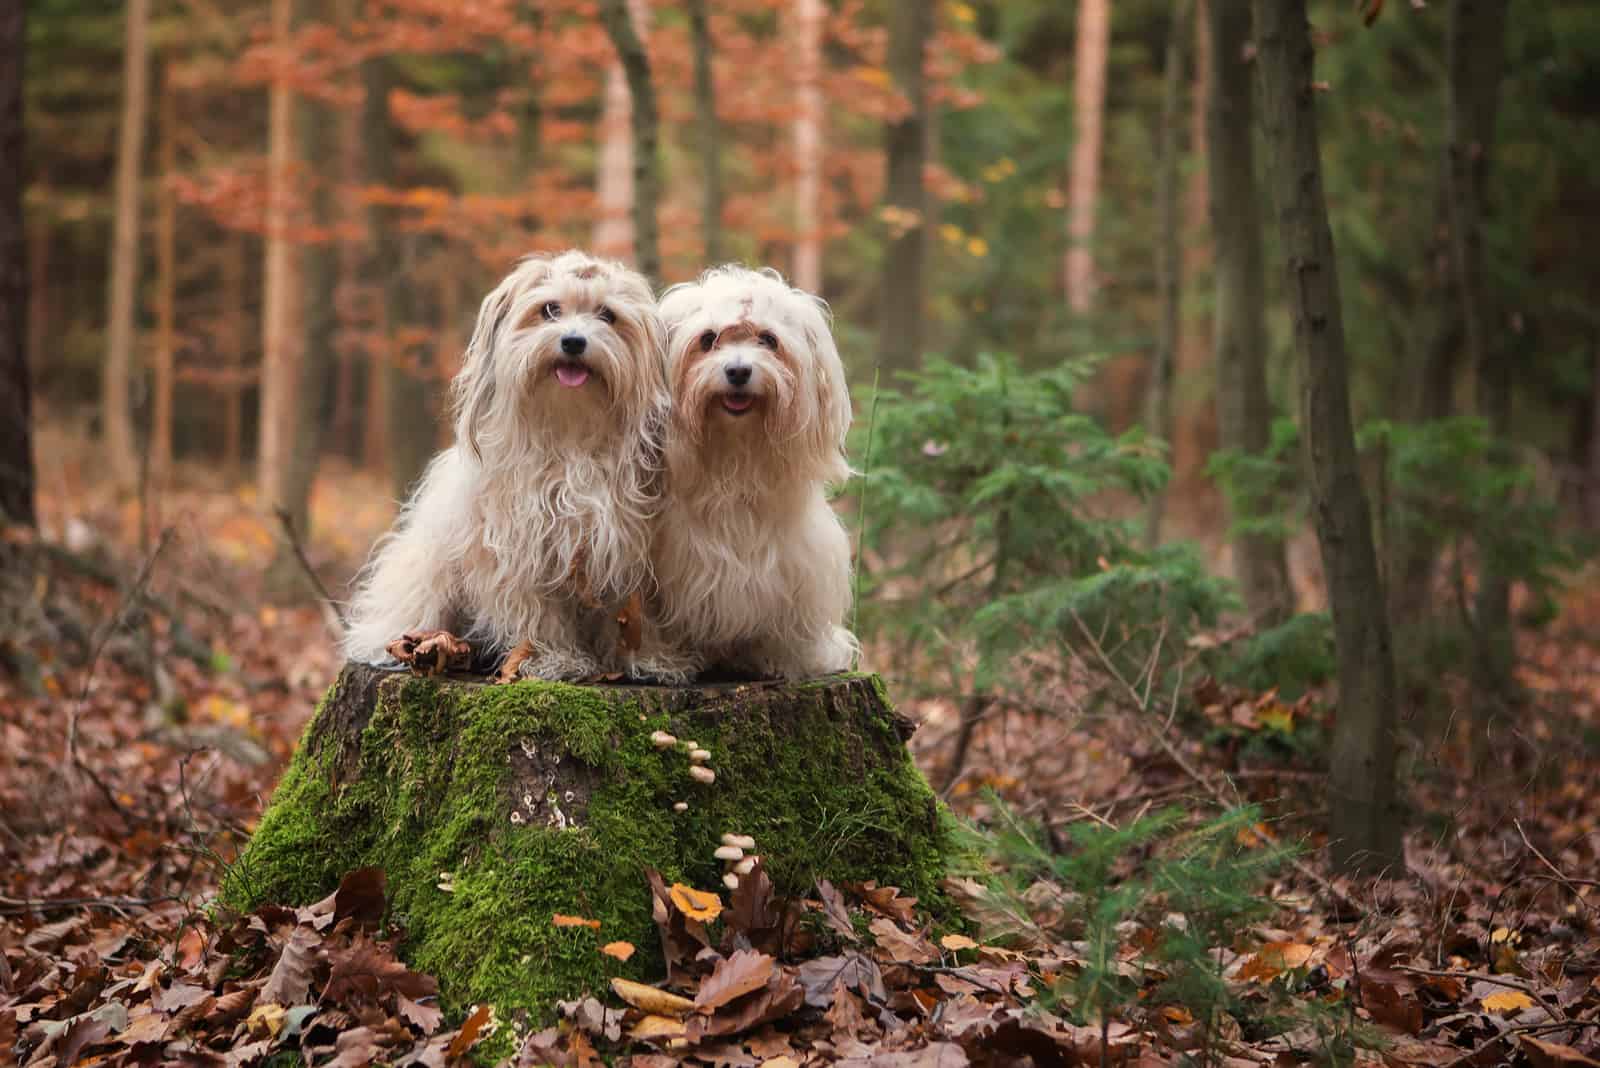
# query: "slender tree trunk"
[613,222]
[1476,58]
[315,367]
[16,415]
[625,29]
[121,450]
[39,306]
[166,290]
[348,289]
[233,298]
[1244,410]
[1591,486]
[705,107]
[1364,819]
[900,331]
[1169,267]
[400,431]
[279,363]
[810,16]
[1083,181]
[1194,435]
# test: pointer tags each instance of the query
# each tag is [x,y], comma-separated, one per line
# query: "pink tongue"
[737,404]
[572,375]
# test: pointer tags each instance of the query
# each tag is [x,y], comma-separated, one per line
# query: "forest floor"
[152,692]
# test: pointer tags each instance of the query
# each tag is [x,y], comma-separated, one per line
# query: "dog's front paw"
[431,652]
[556,665]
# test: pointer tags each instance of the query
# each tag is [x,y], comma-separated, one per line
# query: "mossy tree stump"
[539,798]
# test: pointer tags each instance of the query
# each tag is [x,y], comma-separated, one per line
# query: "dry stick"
[129,599]
[1570,883]
[1493,980]
[1471,1056]
[11,906]
[287,522]
[1217,795]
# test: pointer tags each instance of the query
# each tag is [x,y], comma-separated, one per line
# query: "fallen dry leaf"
[619,950]
[563,920]
[650,999]
[699,905]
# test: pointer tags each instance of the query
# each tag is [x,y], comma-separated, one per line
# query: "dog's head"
[567,347]
[752,367]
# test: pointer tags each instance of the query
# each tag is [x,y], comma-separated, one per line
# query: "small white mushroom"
[703,774]
[692,745]
[729,853]
[743,841]
[662,740]
[731,881]
[699,756]
[745,866]
[680,806]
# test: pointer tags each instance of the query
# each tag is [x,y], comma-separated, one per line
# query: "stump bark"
[492,808]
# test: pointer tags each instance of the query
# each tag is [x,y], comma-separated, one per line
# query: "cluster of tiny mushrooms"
[732,851]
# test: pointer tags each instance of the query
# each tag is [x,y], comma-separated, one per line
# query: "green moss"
[818,776]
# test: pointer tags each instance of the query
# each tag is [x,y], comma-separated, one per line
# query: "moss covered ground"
[438,786]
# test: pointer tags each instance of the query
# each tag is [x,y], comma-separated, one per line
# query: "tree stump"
[493,808]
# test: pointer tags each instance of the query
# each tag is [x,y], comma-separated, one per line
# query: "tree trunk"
[347,300]
[1476,58]
[705,107]
[1083,181]
[121,449]
[1244,410]
[166,293]
[400,431]
[1194,435]
[315,368]
[16,416]
[1364,819]
[233,299]
[810,17]
[279,360]
[1591,486]
[625,30]
[900,332]
[542,798]
[1158,396]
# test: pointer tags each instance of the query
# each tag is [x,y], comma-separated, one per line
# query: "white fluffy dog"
[536,522]
[752,565]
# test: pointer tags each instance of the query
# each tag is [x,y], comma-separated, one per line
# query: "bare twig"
[129,601]
[1561,876]
[1509,982]
[286,521]
[11,906]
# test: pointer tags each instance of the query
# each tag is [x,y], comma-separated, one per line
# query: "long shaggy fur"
[534,525]
[752,564]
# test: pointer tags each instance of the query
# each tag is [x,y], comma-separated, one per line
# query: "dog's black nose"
[738,374]
[574,344]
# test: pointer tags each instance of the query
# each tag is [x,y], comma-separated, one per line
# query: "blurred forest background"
[1067,247]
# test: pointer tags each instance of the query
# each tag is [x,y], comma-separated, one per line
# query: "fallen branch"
[338,623]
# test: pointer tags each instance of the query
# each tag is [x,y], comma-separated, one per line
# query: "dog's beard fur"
[542,506]
[752,565]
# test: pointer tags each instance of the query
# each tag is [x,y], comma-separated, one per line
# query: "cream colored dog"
[534,526]
[752,565]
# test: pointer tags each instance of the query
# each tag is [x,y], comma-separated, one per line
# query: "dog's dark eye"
[551,310]
[708,339]
[768,338]
[606,315]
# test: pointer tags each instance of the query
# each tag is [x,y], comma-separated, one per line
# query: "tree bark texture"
[709,132]
[1083,179]
[279,358]
[1476,57]
[905,142]
[16,416]
[1364,821]
[1244,409]
[1169,267]
[121,448]
[541,798]
[1194,435]
[810,17]
[625,32]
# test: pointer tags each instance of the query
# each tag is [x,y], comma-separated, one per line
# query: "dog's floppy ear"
[833,390]
[474,385]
